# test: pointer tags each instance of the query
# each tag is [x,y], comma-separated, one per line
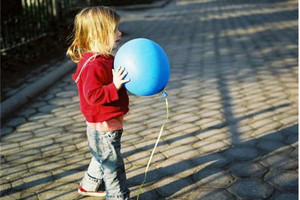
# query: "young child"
[103,100]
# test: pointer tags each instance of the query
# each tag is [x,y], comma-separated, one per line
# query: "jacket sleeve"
[94,90]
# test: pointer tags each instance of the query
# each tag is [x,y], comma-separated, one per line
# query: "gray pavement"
[233,128]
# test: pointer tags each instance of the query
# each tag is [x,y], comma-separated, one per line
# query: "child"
[103,100]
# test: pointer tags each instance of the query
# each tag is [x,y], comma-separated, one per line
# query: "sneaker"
[91,193]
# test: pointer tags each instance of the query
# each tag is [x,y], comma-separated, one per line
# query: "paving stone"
[274,161]
[215,160]
[283,179]
[170,185]
[5,186]
[41,165]
[148,144]
[32,181]
[48,97]
[285,196]
[6,130]
[248,169]
[136,175]
[266,123]
[128,149]
[155,123]
[79,118]
[51,150]
[69,138]
[208,194]
[212,177]
[292,139]
[41,117]
[72,105]
[142,158]
[18,137]
[276,136]
[173,167]
[251,189]
[24,156]
[137,118]
[66,94]
[38,104]
[16,121]
[146,193]
[69,174]
[11,171]
[290,120]
[186,117]
[269,146]
[294,153]
[82,144]
[60,122]
[210,123]
[67,113]
[29,126]
[36,143]
[242,153]
[210,114]
[60,101]
[180,138]
[49,132]
[213,134]
[206,146]
[130,138]
[132,126]
[13,196]
[183,128]
[77,128]
[9,148]
[182,153]
[264,131]
[185,109]
[58,194]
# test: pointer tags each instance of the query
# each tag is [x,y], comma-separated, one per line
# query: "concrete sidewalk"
[233,128]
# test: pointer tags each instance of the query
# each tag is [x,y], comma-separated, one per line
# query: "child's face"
[117,37]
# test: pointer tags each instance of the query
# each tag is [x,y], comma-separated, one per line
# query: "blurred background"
[26,24]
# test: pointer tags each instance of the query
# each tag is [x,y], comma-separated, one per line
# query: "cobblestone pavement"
[233,128]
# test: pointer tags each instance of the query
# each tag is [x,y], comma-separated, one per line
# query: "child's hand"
[118,76]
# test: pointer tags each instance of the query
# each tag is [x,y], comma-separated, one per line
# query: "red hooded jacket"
[99,99]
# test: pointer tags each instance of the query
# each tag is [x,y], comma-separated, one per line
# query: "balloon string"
[164,94]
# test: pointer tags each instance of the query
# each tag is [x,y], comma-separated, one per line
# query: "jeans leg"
[105,147]
[93,177]
[114,169]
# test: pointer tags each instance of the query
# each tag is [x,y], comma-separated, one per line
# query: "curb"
[12,104]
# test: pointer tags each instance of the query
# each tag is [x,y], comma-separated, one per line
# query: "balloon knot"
[164,94]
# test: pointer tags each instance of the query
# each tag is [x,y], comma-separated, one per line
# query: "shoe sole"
[92,194]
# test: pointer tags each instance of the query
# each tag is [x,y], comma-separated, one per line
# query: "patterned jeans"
[106,165]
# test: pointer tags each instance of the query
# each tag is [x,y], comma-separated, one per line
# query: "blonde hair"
[94,29]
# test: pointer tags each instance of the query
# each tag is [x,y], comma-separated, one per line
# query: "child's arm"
[94,91]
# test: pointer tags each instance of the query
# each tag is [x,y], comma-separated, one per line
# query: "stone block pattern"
[233,126]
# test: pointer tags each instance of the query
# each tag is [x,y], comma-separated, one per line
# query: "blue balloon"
[147,65]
